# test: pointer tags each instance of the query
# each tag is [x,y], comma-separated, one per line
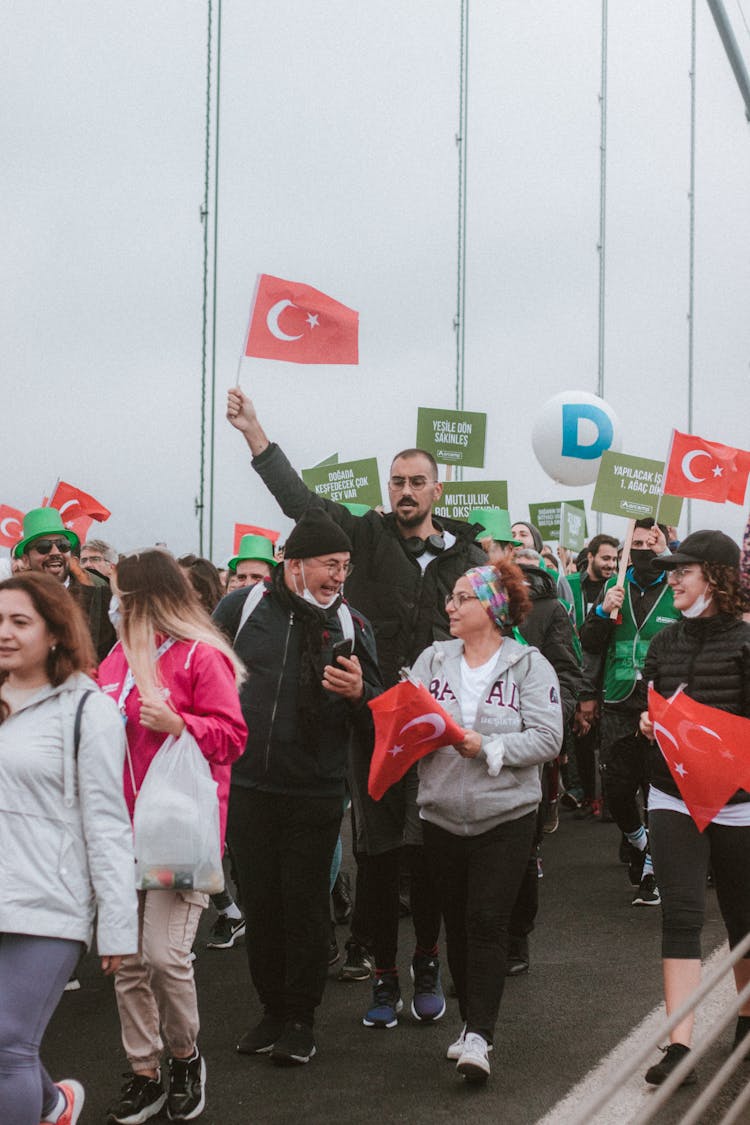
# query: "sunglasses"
[44,546]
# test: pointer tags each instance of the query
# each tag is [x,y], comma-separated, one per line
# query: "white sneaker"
[473,1063]
[75,1096]
[456,1049]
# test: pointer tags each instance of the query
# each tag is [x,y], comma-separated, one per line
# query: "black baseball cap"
[701,547]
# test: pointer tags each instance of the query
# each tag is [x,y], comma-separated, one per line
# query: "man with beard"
[644,606]
[48,546]
[405,565]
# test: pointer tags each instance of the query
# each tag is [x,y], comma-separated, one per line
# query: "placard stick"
[624,561]
[449,472]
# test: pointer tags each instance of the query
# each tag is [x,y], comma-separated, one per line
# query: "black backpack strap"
[78,722]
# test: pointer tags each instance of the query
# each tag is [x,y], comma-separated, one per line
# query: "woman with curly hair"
[707,653]
[478,800]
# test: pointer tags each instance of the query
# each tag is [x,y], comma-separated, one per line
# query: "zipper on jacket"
[278,689]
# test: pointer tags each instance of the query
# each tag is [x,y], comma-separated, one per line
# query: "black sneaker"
[429,999]
[386,1002]
[226,931]
[296,1045]
[140,1098]
[342,898]
[648,892]
[187,1088]
[260,1040]
[358,964]
[673,1055]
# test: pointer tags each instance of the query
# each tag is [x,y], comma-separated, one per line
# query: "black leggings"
[681,857]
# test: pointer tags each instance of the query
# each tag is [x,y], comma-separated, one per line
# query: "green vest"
[574,580]
[627,650]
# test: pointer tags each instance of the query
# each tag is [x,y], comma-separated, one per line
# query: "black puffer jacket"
[405,606]
[711,656]
[548,627]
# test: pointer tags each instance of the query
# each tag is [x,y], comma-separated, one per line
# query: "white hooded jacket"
[66,843]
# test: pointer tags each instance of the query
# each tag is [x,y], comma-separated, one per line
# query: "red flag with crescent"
[300,324]
[11,525]
[408,725]
[707,751]
[72,503]
[705,470]
[241,529]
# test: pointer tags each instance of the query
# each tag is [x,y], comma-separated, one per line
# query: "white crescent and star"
[272,320]
[687,462]
[68,504]
[435,721]
[6,523]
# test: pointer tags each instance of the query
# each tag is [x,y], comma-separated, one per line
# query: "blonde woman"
[171,671]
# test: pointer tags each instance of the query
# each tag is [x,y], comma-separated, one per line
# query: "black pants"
[624,762]
[282,848]
[381,888]
[681,857]
[478,878]
[585,749]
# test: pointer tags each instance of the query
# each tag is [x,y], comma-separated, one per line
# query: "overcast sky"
[338,168]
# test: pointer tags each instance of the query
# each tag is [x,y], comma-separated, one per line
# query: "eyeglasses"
[92,558]
[44,546]
[460,600]
[398,484]
[335,568]
[679,572]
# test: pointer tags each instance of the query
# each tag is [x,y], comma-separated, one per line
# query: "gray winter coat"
[520,721]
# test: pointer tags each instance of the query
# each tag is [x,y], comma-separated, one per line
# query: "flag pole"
[243,349]
[47,501]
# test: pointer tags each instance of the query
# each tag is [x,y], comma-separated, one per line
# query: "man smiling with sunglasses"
[48,546]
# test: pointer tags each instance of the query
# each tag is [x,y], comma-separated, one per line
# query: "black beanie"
[316,534]
[536,534]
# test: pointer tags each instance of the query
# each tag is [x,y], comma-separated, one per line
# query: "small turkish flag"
[408,725]
[707,751]
[72,503]
[294,322]
[11,526]
[241,529]
[705,470]
[80,526]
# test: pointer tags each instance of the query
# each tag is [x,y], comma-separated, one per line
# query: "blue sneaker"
[429,1000]
[386,1002]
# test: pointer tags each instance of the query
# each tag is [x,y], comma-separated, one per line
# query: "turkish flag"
[705,470]
[707,751]
[72,503]
[294,322]
[11,526]
[408,725]
[241,529]
[80,526]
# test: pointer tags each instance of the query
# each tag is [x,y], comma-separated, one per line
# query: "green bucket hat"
[43,521]
[495,523]
[253,547]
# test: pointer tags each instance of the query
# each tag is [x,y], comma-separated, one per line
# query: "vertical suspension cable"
[459,322]
[602,244]
[200,499]
[213,326]
[691,278]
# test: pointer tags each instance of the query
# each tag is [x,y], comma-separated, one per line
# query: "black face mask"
[641,560]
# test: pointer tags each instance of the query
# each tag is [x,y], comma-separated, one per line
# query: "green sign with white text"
[572,526]
[547,517]
[632,487]
[349,482]
[461,497]
[453,437]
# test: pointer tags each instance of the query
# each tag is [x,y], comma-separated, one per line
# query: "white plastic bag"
[176,822]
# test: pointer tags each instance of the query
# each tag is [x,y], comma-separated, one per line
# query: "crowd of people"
[264,672]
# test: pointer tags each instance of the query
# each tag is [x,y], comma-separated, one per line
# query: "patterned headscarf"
[485,582]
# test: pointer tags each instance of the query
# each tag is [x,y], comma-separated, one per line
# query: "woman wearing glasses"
[478,800]
[707,653]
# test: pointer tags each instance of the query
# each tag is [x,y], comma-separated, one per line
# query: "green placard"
[453,437]
[355,482]
[461,497]
[631,487]
[547,517]
[572,526]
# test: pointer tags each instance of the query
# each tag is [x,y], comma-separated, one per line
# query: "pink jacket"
[202,691]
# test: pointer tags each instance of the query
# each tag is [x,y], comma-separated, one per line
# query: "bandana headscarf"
[486,585]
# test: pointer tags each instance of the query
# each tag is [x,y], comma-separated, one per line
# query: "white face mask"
[307,596]
[701,603]
[114,611]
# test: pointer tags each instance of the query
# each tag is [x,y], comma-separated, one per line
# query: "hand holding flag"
[409,724]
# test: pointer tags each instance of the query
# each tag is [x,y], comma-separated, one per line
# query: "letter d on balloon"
[573,414]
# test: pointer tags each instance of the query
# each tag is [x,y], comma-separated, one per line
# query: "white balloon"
[571,432]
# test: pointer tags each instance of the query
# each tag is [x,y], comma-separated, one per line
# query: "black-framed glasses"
[460,600]
[44,546]
[333,567]
[398,484]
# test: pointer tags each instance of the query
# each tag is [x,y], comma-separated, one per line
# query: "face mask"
[702,602]
[114,611]
[309,597]
[641,559]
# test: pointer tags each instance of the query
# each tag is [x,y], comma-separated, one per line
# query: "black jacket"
[549,628]
[278,757]
[405,606]
[711,656]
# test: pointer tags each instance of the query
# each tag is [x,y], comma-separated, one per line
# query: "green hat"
[253,547]
[357,509]
[495,523]
[43,521]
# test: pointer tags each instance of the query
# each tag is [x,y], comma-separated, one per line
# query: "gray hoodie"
[520,720]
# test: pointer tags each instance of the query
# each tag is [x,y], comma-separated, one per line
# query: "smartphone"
[341,648]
